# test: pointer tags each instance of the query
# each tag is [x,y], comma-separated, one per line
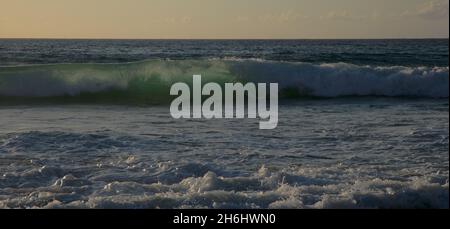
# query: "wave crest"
[149,81]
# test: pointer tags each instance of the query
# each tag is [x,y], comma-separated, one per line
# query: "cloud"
[186,20]
[344,15]
[432,10]
[173,20]
[282,17]
[290,16]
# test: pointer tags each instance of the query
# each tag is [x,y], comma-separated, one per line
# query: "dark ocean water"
[362,52]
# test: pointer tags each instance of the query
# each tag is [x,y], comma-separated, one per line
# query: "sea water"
[86,124]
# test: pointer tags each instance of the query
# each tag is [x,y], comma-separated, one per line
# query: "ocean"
[86,124]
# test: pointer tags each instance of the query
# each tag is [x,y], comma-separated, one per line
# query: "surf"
[234,101]
[149,82]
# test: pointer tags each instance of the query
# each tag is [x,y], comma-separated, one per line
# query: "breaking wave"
[149,81]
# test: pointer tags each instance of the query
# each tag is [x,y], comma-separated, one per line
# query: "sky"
[224,19]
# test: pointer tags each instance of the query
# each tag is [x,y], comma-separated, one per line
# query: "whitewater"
[344,153]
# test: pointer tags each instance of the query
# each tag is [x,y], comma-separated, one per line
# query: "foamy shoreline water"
[340,153]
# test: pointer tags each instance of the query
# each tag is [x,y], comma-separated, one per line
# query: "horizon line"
[61,38]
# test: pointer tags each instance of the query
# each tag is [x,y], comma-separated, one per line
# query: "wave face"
[149,81]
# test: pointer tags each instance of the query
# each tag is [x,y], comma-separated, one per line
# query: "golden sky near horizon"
[224,19]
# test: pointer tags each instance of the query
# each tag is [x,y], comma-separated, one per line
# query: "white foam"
[257,191]
[341,79]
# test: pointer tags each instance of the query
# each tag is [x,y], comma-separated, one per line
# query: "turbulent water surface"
[86,124]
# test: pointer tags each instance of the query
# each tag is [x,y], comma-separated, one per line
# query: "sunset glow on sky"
[224,19]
